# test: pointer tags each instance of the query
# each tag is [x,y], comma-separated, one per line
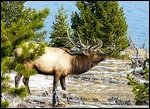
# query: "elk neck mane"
[80,62]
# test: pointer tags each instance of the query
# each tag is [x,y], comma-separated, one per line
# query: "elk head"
[91,51]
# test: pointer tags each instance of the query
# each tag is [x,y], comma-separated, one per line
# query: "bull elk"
[61,62]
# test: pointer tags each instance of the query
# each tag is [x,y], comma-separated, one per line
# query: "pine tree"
[101,20]
[18,25]
[59,29]
[11,11]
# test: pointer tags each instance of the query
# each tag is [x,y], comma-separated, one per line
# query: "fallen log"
[106,106]
[41,99]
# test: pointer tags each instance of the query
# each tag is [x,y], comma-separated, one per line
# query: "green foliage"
[125,56]
[27,73]
[101,20]
[19,25]
[6,63]
[22,24]
[30,52]
[117,55]
[11,11]
[59,29]
[5,87]
[21,92]
[4,104]
[141,91]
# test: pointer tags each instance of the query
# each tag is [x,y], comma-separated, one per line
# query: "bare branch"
[94,39]
[137,52]
[132,44]
[144,48]
[144,43]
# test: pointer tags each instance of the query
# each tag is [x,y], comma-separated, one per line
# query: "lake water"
[136,13]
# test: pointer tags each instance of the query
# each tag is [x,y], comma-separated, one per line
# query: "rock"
[112,80]
[116,101]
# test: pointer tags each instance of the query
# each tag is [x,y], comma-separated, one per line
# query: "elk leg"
[55,84]
[63,85]
[62,82]
[17,79]
[26,83]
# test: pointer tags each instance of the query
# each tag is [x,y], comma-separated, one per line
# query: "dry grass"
[98,92]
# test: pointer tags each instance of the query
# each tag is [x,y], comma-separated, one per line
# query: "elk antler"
[71,40]
[82,46]
[98,45]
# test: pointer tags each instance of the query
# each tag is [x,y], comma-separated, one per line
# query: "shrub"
[141,91]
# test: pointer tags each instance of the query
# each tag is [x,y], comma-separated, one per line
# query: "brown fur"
[60,63]
[80,64]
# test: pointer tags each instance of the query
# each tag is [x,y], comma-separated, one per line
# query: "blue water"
[136,13]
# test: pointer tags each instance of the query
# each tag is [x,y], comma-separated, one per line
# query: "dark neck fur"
[80,64]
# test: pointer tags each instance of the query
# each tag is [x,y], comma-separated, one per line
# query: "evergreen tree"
[18,25]
[11,11]
[101,20]
[59,29]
